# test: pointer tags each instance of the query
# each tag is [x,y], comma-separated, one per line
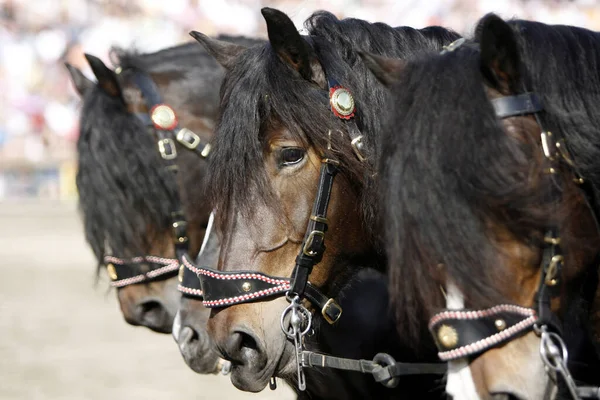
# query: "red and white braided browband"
[490,341]
[170,265]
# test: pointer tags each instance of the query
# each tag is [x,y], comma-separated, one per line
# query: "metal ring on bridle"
[553,350]
[303,311]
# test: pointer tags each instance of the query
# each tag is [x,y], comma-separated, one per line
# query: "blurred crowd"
[39,112]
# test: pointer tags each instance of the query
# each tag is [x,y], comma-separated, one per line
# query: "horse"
[279,137]
[134,203]
[489,182]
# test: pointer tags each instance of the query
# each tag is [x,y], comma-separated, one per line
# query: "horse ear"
[107,79]
[386,70]
[291,47]
[500,59]
[82,84]
[224,52]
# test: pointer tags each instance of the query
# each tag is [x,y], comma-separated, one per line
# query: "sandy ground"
[63,337]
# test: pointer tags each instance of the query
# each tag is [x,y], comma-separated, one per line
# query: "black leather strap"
[520,104]
[313,245]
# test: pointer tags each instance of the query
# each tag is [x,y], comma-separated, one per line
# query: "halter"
[468,333]
[162,120]
[222,289]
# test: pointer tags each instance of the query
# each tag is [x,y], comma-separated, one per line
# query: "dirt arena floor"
[63,337]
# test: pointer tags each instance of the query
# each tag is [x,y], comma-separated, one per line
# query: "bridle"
[225,288]
[161,121]
[469,333]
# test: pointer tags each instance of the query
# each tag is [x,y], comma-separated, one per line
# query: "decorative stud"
[246,286]
[180,274]
[163,117]
[112,272]
[342,102]
[448,336]
[500,324]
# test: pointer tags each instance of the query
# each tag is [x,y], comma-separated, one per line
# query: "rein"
[225,288]
[162,121]
[468,333]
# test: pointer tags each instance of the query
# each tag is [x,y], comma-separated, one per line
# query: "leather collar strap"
[124,272]
[223,289]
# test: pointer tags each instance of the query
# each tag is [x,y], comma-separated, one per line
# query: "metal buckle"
[356,146]
[334,304]
[551,279]
[309,241]
[167,149]
[188,138]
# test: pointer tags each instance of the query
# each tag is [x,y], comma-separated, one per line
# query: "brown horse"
[489,180]
[276,136]
[129,196]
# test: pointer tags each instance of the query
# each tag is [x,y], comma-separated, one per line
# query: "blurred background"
[61,335]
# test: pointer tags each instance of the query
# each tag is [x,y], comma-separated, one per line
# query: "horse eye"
[291,156]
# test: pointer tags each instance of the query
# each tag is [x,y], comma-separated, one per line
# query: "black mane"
[125,194]
[448,166]
[260,89]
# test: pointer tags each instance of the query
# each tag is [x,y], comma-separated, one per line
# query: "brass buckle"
[356,145]
[331,303]
[309,241]
[112,271]
[167,149]
[188,138]
[551,279]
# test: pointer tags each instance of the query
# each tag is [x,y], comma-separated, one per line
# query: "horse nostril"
[241,346]
[154,315]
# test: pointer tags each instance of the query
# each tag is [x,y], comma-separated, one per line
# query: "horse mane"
[125,194]
[448,168]
[260,89]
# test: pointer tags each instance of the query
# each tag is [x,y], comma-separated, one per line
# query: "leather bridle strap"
[313,245]
[163,120]
[383,367]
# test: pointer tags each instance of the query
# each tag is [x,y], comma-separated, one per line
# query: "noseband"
[469,333]
[161,120]
[225,288]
